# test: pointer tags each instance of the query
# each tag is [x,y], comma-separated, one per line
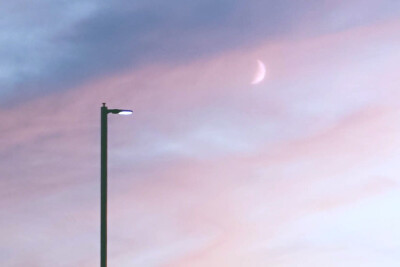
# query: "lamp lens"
[125,112]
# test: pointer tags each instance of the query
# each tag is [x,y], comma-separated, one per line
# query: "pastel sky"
[301,169]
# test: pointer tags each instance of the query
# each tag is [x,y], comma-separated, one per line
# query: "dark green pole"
[103,186]
[103,189]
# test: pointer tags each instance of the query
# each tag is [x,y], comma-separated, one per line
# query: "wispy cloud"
[208,164]
[48,46]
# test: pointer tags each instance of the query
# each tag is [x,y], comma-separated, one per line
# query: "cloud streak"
[211,171]
[48,47]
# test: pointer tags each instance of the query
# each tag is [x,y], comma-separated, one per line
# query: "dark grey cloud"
[30,58]
[122,35]
[50,46]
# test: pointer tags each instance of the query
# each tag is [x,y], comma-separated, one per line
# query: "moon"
[260,74]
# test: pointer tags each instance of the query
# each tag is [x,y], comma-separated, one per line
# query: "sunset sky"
[300,170]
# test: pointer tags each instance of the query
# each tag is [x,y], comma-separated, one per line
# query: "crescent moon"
[261,72]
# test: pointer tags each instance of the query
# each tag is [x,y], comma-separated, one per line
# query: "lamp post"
[103,186]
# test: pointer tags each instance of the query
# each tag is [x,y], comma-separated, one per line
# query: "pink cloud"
[209,171]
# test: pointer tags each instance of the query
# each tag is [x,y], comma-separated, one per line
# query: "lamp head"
[121,111]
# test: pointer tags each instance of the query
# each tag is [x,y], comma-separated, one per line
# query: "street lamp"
[103,187]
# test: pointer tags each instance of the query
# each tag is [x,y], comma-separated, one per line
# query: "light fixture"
[103,181]
[120,111]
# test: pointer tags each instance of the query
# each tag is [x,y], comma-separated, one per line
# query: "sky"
[210,170]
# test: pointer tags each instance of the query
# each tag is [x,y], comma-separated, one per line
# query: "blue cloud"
[50,46]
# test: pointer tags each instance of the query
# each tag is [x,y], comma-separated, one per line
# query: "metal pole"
[103,189]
